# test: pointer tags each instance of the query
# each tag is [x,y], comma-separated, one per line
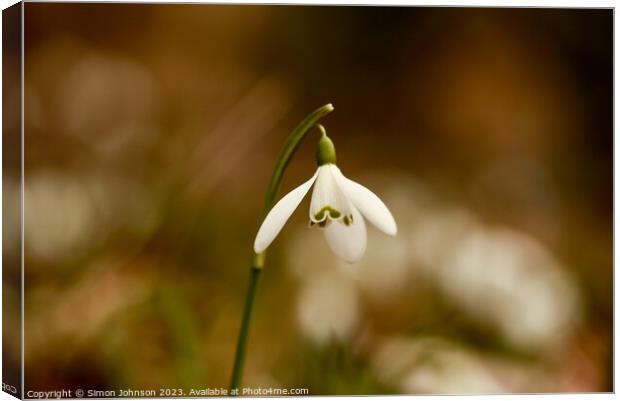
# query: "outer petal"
[367,202]
[279,214]
[347,242]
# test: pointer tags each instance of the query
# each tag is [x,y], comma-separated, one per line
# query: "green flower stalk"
[286,154]
[338,207]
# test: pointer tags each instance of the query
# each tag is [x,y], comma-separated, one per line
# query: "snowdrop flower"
[338,207]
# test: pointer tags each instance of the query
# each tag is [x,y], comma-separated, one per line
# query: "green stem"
[255,273]
[286,154]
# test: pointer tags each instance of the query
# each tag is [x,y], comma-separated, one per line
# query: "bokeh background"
[151,132]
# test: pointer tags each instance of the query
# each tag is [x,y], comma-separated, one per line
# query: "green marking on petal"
[327,211]
[320,224]
[347,220]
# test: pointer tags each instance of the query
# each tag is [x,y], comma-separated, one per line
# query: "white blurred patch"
[434,366]
[436,231]
[384,270]
[307,253]
[328,307]
[66,215]
[511,280]
[59,215]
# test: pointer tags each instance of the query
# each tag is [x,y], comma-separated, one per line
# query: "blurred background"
[151,132]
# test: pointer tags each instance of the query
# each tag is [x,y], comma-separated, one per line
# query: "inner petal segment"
[328,201]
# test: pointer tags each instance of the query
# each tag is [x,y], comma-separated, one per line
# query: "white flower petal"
[347,242]
[367,202]
[279,214]
[328,200]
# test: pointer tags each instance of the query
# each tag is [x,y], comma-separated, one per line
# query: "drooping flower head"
[338,207]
